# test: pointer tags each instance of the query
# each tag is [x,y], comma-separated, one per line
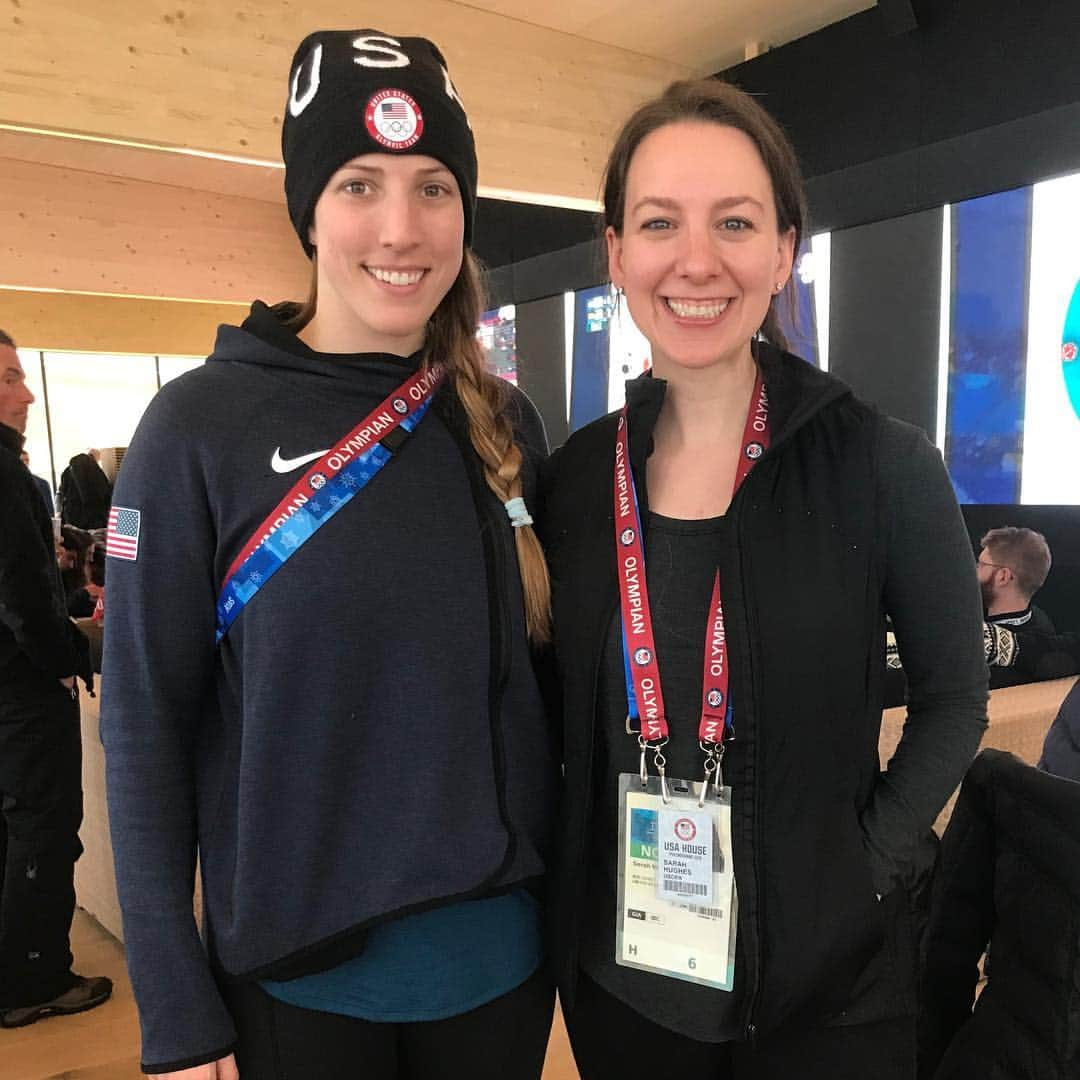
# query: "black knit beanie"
[355,92]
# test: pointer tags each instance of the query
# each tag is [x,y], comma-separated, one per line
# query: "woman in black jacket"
[722,710]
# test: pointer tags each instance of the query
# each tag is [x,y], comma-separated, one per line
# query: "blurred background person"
[41,653]
[43,485]
[1012,567]
[85,492]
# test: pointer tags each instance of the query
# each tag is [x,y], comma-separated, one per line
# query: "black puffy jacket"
[1010,876]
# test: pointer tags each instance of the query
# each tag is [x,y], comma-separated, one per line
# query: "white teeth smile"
[688,310]
[395,277]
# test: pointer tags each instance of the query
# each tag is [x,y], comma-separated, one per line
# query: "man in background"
[41,653]
[42,484]
[1012,566]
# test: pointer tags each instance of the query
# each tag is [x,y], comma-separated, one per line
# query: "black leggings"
[611,1041]
[503,1040]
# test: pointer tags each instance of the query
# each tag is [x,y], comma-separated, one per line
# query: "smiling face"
[15,395]
[700,255]
[389,233]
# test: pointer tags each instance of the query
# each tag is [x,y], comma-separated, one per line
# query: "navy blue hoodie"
[369,738]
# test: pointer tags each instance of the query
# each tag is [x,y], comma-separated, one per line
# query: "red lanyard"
[393,412]
[645,697]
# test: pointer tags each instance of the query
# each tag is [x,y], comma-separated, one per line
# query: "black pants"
[503,1040]
[40,815]
[611,1041]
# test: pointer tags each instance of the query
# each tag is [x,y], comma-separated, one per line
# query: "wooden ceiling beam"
[64,228]
[212,77]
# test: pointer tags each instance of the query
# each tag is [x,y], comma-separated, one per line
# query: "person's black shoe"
[85,994]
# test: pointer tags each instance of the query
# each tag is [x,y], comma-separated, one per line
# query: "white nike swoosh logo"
[284,465]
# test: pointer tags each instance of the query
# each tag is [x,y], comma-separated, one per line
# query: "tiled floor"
[103,1044]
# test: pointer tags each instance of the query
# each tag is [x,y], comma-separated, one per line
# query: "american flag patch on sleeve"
[122,538]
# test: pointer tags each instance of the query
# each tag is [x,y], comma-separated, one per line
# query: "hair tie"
[518,514]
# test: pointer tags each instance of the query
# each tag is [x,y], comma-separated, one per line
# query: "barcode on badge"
[687,888]
[709,912]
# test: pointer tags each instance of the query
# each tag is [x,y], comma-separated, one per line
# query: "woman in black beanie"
[322,592]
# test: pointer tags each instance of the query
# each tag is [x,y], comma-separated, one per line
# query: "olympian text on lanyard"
[644,696]
[323,490]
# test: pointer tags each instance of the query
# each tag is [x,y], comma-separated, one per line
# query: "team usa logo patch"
[715,698]
[401,406]
[122,533]
[393,119]
[754,450]
[685,829]
[627,537]
[317,480]
[642,657]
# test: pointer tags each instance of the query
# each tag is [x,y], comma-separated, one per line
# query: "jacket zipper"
[587,801]
[751,628]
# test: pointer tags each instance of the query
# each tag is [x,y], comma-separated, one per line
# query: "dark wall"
[1060,596]
[541,359]
[555,272]
[983,96]
[884,321]
[509,232]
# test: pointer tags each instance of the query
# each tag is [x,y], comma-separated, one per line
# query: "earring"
[779,286]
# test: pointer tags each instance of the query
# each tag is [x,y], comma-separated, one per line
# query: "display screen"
[1051,446]
[497,335]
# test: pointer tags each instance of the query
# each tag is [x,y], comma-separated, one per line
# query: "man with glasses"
[1021,643]
[41,653]
[1012,566]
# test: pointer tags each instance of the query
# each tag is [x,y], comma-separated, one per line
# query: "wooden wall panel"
[38,320]
[67,229]
[263,182]
[195,73]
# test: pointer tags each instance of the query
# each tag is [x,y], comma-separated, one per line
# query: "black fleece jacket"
[37,639]
[848,516]
[369,738]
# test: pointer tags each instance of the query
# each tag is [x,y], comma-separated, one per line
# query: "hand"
[223,1069]
[68,683]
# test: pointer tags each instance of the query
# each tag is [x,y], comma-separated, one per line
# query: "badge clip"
[710,769]
[658,760]
[714,757]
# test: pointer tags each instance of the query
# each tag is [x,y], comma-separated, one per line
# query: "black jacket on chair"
[1010,876]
